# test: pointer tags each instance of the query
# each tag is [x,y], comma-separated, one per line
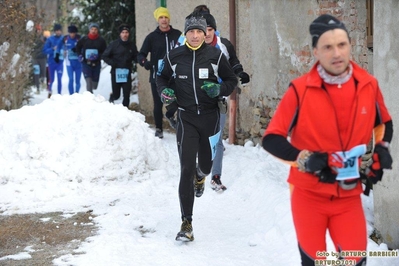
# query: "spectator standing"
[39,60]
[195,68]
[330,114]
[90,49]
[55,64]
[158,43]
[120,55]
[74,67]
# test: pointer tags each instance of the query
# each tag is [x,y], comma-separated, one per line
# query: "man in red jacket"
[331,113]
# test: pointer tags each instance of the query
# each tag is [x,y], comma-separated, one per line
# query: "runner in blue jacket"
[66,49]
[50,48]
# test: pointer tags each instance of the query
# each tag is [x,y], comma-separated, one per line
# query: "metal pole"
[234,96]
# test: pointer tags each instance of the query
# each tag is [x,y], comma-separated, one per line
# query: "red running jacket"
[306,113]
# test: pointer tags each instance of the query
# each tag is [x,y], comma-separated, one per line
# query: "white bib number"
[351,165]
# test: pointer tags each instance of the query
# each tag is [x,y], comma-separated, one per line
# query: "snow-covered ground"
[78,153]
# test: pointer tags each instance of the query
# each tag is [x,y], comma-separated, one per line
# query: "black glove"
[316,162]
[384,156]
[244,77]
[73,49]
[57,58]
[320,164]
[382,159]
[147,65]
[327,175]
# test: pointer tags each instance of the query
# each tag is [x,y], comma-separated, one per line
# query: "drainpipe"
[234,95]
[162,3]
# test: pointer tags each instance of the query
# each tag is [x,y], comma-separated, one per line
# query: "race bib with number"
[121,75]
[203,73]
[351,165]
[91,54]
[36,70]
[72,55]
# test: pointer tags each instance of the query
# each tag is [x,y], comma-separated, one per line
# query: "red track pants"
[314,213]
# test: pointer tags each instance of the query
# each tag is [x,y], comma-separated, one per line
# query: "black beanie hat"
[57,27]
[322,24]
[195,21]
[123,27]
[72,29]
[210,21]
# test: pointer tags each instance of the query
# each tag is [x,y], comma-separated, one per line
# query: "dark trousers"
[126,88]
[92,75]
[192,135]
[158,115]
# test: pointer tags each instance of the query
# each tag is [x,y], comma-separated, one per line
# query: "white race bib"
[203,73]
[351,164]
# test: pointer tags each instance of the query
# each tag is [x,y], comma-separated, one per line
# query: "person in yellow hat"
[158,43]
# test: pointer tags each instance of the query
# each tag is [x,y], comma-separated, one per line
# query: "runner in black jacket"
[196,68]
[158,43]
[90,48]
[120,55]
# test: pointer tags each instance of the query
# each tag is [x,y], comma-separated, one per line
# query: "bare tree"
[15,49]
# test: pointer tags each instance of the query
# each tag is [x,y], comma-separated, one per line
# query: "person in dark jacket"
[120,55]
[39,59]
[90,49]
[50,48]
[158,43]
[195,69]
[229,51]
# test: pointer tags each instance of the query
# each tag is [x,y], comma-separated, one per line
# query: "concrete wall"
[386,64]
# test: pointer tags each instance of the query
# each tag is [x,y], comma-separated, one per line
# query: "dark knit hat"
[210,21]
[195,21]
[322,24]
[72,29]
[94,24]
[123,27]
[202,9]
[57,27]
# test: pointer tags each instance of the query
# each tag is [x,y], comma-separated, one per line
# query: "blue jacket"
[65,44]
[48,49]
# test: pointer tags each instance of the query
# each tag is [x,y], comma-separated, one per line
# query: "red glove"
[374,172]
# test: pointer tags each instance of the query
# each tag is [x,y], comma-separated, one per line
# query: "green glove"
[212,89]
[168,96]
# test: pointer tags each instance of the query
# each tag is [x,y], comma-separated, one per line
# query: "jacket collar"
[359,74]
